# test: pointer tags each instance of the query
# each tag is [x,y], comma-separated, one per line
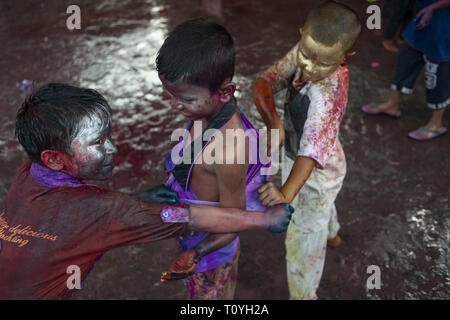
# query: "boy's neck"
[207,120]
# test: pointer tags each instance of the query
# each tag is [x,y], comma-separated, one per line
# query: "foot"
[400,41]
[390,45]
[381,109]
[427,133]
[334,242]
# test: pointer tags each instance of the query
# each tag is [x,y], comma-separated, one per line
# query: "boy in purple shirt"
[196,67]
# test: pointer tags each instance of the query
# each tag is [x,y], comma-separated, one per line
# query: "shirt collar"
[52,178]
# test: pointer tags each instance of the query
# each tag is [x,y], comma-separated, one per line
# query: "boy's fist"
[269,195]
[277,217]
[183,267]
[158,194]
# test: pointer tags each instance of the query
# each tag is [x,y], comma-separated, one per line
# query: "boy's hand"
[424,16]
[277,217]
[269,195]
[183,267]
[158,194]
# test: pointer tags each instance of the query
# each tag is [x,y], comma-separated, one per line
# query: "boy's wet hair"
[332,22]
[51,117]
[198,51]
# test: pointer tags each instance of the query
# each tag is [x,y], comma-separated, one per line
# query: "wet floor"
[394,205]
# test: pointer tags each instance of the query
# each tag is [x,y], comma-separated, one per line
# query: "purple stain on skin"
[24,84]
[283,221]
[175,215]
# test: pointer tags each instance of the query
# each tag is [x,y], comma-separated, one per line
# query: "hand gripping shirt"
[53,222]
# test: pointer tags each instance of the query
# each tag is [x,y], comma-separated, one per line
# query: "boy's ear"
[226,91]
[54,160]
[300,30]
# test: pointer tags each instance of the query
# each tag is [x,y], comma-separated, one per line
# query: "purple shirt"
[190,239]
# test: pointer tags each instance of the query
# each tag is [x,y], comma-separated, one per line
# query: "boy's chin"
[101,177]
[105,177]
[193,117]
[108,174]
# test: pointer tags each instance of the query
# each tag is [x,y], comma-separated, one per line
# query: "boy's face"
[93,152]
[193,102]
[316,60]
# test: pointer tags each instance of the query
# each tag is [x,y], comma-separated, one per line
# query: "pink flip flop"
[415,136]
[368,109]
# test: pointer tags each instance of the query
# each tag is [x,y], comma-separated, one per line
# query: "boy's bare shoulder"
[235,127]
[233,147]
[234,123]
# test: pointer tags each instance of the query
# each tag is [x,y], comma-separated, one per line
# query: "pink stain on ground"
[375,64]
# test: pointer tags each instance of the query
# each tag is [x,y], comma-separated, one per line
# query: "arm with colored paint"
[264,101]
[274,219]
[206,218]
[231,179]
[271,81]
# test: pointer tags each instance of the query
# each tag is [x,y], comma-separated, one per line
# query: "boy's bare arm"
[231,180]
[215,219]
[301,170]
[271,81]
[265,103]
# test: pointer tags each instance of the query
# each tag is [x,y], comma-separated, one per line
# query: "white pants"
[313,223]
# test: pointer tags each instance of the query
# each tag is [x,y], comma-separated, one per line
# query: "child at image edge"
[313,164]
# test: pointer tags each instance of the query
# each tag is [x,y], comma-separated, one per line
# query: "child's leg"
[437,78]
[338,167]
[307,235]
[409,64]
[333,226]
[216,284]
[305,258]
[396,12]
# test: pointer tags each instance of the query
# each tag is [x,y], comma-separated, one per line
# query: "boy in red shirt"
[52,220]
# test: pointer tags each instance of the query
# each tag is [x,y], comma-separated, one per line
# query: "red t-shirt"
[44,230]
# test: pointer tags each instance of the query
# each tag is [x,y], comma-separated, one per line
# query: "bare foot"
[400,41]
[386,108]
[390,45]
[334,242]
[427,132]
